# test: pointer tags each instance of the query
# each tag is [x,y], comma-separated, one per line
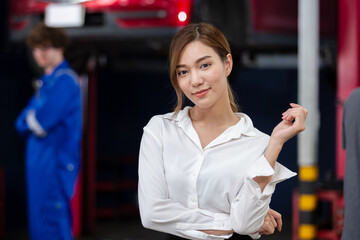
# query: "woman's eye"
[183,72]
[205,65]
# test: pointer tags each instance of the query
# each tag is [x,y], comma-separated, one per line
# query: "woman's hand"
[293,123]
[272,220]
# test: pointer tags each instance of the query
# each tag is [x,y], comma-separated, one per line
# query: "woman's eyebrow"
[197,61]
[202,58]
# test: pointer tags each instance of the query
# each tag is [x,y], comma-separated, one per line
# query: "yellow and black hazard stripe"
[308,176]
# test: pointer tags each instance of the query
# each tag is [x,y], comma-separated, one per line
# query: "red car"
[246,23]
[101,19]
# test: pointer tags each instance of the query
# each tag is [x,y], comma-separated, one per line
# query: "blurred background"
[120,49]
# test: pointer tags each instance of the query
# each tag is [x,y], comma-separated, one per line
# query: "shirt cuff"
[255,235]
[195,234]
[262,168]
[34,124]
[221,222]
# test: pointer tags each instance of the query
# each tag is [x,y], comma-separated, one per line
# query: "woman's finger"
[288,117]
[294,114]
[294,105]
[299,111]
[277,217]
[297,106]
[273,221]
[268,227]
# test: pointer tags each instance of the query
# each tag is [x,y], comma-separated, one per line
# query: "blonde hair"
[208,35]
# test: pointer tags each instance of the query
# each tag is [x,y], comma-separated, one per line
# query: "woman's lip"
[201,92]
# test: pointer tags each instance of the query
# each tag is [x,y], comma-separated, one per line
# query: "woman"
[205,172]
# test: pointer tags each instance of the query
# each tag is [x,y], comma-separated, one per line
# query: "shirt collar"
[63,64]
[244,126]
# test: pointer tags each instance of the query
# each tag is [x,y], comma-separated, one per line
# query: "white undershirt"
[184,188]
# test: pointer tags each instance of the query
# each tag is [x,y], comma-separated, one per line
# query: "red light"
[19,23]
[182,16]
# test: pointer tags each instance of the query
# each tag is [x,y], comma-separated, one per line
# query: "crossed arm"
[155,207]
[272,221]
[293,123]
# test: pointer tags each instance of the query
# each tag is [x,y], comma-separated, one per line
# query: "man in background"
[351,142]
[51,125]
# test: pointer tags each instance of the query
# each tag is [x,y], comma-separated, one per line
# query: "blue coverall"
[53,156]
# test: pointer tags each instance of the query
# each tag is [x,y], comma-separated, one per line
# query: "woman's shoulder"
[171,118]
[250,129]
[158,121]
[262,135]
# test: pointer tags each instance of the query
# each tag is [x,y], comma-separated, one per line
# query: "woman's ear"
[228,64]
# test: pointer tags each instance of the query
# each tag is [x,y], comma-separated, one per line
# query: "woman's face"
[202,75]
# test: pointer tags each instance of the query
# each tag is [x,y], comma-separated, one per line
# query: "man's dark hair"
[42,35]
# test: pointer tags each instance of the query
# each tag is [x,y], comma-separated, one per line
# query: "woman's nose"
[196,79]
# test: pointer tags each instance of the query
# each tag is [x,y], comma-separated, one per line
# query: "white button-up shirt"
[184,188]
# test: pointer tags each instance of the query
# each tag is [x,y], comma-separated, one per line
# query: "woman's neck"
[219,114]
[211,122]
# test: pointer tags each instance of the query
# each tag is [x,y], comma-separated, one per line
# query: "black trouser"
[234,237]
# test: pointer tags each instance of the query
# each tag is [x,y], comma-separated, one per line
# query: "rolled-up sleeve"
[250,207]
[157,210]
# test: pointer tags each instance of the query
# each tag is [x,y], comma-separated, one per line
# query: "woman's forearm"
[271,154]
[272,151]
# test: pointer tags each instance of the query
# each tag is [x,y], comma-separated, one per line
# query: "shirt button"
[194,174]
[70,167]
[193,199]
[58,205]
[259,202]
